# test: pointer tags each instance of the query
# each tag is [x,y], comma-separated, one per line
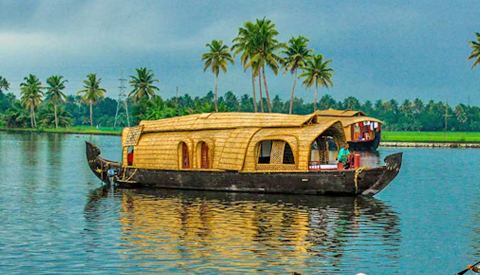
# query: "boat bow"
[99,165]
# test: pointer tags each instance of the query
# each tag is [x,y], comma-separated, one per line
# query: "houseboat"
[363,133]
[240,152]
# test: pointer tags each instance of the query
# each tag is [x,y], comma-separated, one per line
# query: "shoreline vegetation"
[389,138]
[48,108]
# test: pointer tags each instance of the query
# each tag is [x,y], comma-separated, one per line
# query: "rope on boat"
[357,173]
[132,174]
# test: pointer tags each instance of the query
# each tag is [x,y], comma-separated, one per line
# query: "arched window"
[275,152]
[204,156]
[288,155]
[185,156]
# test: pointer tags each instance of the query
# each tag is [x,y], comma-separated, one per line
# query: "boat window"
[288,155]
[204,157]
[275,152]
[265,151]
[185,156]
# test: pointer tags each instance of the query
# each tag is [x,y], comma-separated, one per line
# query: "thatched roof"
[339,113]
[347,121]
[347,117]
[232,138]
[233,120]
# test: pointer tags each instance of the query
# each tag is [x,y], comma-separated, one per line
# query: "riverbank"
[389,139]
[410,144]
[108,131]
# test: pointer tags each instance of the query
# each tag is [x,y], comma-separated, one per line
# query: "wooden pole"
[446,120]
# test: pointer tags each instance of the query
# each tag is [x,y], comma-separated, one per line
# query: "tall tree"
[266,52]
[143,84]
[92,93]
[296,54]
[475,54]
[245,44]
[55,93]
[217,59]
[4,85]
[316,71]
[32,95]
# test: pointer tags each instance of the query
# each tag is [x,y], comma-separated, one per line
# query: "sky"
[401,49]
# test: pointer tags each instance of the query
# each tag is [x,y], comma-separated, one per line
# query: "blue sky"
[380,49]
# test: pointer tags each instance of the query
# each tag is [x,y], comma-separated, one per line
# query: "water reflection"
[200,232]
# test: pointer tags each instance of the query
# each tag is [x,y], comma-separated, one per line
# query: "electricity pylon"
[122,100]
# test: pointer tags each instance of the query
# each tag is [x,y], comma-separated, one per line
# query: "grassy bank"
[405,136]
[402,136]
[72,130]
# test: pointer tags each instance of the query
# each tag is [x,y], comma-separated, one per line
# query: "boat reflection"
[202,232]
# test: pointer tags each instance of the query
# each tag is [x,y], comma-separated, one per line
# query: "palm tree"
[296,53]
[32,94]
[55,94]
[92,93]
[217,58]
[316,71]
[143,84]
[245,44]
[4,85]
[475,54]
[265,53]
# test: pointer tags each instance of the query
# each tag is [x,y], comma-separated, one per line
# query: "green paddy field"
[405,136]
[402,136]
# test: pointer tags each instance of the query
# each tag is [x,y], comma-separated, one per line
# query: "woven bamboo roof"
[339,113]
[231,137]
[231,120]
[347,121]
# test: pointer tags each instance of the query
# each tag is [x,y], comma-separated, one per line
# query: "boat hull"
[366,181]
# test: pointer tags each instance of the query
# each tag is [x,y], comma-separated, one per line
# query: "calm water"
[56,219]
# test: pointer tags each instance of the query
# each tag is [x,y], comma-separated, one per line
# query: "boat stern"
[389,171]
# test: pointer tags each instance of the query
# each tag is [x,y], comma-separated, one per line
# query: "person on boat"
[344,156]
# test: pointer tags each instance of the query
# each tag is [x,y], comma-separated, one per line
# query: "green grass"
[402,136]
[431,136]
[75,129]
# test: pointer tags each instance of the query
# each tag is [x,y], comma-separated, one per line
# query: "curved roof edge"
[340,113]
[230,120]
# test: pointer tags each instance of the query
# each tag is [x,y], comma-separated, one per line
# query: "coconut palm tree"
[55,93]
[217,58]
[265,54]
[316,71]
[475,54]
[4,85]
[296,54]
[32,94]
[92,93]
[244,43]
[143,84]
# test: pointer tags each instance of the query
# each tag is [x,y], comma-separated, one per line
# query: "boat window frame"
[273,166]
[199,154]
[181,146]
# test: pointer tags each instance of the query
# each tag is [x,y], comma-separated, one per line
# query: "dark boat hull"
[370,145]
[368,181]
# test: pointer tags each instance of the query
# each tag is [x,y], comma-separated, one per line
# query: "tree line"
[407,115]
[258,47]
